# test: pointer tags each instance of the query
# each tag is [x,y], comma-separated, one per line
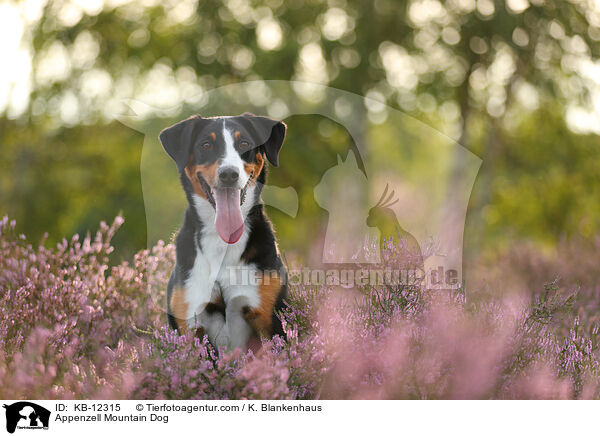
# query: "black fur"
[184,142]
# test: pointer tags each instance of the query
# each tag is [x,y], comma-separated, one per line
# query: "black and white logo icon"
[26,415]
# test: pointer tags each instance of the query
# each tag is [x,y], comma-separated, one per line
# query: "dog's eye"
[206,145]
[244,144]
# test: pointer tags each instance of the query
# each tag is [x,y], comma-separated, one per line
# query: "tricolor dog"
[229,279]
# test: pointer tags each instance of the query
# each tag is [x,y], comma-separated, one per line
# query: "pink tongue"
[229,221]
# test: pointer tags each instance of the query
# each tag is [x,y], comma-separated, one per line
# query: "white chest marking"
[217,263]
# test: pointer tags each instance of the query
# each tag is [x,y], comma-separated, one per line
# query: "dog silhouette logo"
[331,217]
[26,415]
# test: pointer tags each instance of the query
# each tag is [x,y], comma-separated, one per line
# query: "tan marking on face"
[179,308]
[255,168]
[208,171]
[261,317]
[213,135]
[237,135]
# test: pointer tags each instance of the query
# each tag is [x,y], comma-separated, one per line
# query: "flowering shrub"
[70,327]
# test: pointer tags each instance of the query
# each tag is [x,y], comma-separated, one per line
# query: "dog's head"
[220,160]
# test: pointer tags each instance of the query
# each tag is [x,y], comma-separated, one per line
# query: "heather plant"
[73,327]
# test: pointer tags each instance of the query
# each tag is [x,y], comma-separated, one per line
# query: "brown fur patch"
[179,308]
[208,171]
[255,168]
[249,253]
[217,305]
[261,317]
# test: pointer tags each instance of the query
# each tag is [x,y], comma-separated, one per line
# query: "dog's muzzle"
[210,196]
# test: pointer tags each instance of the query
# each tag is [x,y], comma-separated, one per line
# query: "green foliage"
[63,181]
[546,182]
[459,66]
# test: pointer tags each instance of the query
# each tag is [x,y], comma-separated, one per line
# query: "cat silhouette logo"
[26,415]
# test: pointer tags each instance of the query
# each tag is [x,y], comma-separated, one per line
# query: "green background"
[504,80]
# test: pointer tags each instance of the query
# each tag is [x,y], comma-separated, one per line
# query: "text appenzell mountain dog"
[229,279]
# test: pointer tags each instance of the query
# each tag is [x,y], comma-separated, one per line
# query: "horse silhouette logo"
[25,414]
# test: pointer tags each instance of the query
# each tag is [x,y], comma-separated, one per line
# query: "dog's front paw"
[223,341]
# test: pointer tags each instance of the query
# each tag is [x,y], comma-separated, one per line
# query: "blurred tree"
[66,181]
[476,69]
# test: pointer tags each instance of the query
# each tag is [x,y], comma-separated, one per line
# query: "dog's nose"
[228,176]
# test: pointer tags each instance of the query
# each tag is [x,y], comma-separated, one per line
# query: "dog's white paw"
[223,341]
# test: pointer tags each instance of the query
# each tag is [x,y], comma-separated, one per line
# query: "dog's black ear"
[271,133]
[177,140]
